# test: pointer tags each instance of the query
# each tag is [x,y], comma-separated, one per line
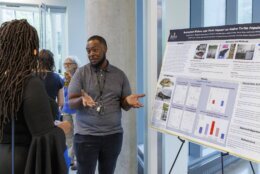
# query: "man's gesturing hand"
[132,100]
[87,100]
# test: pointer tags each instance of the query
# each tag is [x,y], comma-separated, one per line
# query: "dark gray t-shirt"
[114,86]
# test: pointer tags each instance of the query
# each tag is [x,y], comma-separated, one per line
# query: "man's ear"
[105,49]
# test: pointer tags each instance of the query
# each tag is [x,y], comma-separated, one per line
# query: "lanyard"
[101,74]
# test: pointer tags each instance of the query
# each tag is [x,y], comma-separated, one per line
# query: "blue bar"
[222,103]
[222,136]
[200,130]
[206,130]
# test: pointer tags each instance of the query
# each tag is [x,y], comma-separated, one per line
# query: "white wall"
[76,41]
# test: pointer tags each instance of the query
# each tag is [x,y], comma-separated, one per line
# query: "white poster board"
[208,90]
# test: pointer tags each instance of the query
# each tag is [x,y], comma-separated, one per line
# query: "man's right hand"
[87,100]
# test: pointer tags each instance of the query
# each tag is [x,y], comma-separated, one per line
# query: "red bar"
[213,102]
[212,127]
[217,131]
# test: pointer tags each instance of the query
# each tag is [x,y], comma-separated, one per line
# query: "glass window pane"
[25,15]
[31,14]
[55,36]
[49,25]
[207,150]
[7,15]
[214,12]
[244,11]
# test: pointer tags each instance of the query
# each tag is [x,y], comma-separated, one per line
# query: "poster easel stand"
[182,142]
[252,167]
[222,163]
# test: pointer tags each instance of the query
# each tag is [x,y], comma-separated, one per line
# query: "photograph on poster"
[212,50]
[164,94]
[200,51]
[257,52]
[223,51]
[245,51]
[164,113]
[166,82]
[158,111]
[231,51]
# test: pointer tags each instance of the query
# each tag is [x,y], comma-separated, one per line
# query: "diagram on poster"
[208,90]
[180,94]
[193,96]
[217,100]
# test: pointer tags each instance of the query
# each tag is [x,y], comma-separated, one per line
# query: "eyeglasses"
[68,63]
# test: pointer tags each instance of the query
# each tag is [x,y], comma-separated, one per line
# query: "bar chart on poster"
[217,100]
[210,128]
[208,91]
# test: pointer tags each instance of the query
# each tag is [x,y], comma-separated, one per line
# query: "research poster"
[208,91]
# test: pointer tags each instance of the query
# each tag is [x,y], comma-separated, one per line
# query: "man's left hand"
[132,100]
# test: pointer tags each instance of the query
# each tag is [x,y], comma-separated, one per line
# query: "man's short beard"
[98,65]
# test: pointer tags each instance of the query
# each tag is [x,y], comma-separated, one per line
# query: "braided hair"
[19,45]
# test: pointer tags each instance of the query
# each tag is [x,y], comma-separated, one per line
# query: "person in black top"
[52,81]
[39,144]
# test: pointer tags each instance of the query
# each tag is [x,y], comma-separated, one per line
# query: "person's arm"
[79,100]
[60,98]
[64,125]
[74,91]
[36,108]
[75,101]
[129,100]
[132,101]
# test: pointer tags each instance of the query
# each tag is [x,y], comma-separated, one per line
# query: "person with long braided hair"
[24,106]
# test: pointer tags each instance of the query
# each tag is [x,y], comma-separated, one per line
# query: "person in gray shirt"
[98,91]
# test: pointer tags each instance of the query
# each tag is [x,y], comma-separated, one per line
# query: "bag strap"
[13,143]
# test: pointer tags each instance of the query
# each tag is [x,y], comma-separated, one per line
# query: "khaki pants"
[70,136]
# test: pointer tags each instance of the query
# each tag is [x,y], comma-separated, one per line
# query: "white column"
[176,15]
[151,73]
[115,21]
[76,41]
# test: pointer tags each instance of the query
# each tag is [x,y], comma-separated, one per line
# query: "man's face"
[96,51]
[69,65]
